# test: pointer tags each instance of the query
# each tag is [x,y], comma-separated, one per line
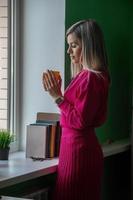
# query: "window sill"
[116,147]
[19,169]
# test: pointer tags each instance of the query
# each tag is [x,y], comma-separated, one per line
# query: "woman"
[83,108]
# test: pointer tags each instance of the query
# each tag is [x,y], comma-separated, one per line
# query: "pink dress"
[80,166]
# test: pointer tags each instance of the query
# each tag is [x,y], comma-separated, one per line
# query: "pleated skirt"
[80,166]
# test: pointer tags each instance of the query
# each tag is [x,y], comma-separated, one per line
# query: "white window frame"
[13,70]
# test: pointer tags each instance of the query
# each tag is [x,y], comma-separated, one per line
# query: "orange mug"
[57,74]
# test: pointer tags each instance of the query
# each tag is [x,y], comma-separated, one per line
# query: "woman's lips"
[72,57]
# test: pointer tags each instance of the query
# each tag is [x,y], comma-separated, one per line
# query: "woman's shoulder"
[87,74]
[91,76]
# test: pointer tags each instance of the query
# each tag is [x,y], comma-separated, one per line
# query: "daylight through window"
[3,64]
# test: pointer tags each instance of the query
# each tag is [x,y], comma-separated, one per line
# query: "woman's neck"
[76,68]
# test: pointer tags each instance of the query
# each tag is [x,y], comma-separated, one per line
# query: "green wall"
[131,44]
[114,17]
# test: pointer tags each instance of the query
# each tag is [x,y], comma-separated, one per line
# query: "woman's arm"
[82,111]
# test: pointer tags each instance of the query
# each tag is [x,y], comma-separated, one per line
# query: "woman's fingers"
[45,82]
[51,77]
[60,82]
[51,84]
[48,82]
[56,80]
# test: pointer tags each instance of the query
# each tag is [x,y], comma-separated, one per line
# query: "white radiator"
[38,195]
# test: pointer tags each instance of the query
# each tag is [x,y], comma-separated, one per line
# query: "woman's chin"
[74,61]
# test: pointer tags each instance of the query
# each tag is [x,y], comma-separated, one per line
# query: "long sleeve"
[80,111]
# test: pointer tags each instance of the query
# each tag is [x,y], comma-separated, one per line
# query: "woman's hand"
[51,84]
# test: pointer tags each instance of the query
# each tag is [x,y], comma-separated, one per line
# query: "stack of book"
[43,137]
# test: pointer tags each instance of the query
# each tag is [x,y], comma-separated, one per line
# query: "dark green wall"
[114,18]
[131,43]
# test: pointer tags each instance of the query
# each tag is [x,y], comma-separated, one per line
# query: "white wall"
[42,47]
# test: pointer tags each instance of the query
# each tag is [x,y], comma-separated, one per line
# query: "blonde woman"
[83,107]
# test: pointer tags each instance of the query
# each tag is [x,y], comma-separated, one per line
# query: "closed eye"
[73,45]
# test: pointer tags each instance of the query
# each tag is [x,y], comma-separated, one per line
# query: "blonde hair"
[94,56]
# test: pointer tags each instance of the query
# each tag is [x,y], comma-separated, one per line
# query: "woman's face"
[74,48]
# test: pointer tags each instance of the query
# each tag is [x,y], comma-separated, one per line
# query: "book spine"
[48,137]
[57,140]
[52,141]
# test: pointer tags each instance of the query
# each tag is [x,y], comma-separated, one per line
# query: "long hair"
[94,56]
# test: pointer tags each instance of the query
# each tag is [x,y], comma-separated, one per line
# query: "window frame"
[13,71]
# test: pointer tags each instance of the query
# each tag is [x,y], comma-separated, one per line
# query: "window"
[9,62]
[3,64]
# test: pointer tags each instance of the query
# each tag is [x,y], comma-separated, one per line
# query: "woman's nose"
[69,50]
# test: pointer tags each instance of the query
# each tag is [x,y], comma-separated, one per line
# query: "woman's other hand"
[51,84]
